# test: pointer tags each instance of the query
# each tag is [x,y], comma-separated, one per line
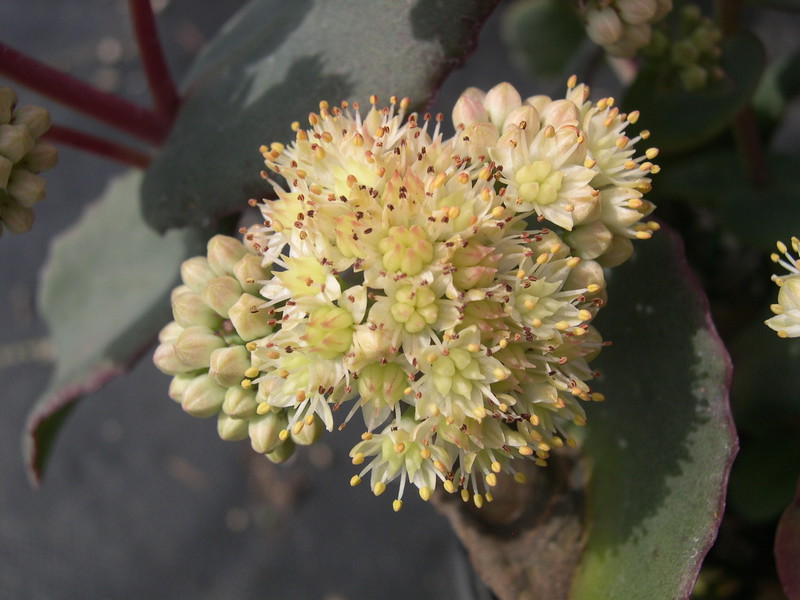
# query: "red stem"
[159,80]
[97,145]
[121,114]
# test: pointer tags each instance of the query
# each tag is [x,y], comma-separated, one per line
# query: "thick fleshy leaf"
[657,456]
[104,293]
[660,448]
[787,548]
[681,120]
[272,65]
[543,35]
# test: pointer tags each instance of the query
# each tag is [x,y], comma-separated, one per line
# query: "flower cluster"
[442,288]
[787,311]
[623,27]
[22,157]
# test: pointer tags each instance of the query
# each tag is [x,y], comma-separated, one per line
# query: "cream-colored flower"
[786,321]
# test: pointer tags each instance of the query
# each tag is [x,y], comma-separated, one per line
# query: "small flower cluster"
[22,157]
[623,27]
[442,288]
[787,311]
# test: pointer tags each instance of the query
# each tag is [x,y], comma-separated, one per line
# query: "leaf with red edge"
[104,293]
[787,548]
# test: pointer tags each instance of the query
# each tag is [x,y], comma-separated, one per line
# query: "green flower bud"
[382,384]
[178,385]
[248,272]
[231,430]
[250,322]
[194,346]
[589,241]
[5,171]
[18,219]
[167,360]
[307,434]
[15,142]
[223,252]
[265,431]
[203,398]
[240,403]
[25,187]
[227,365]
[8,100]
[170,332]
[35,118]
[221,293]
[196,273]
[620,250]
[282,453]
[189,309]
[694,77]
[329,331]
[684,53]
[42,157]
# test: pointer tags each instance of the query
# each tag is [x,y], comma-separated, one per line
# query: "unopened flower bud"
[250,321]
[178,386]
[167,360]
[620,250]
[223,252]
[42,157]
[170,332]
[203,398]
[603,26]
[5,171]
[15,142]
[500,101]
[240,403]
[637,12]
[35,118]
[18,219]
[265,431]
[195,344]
[589,241]
[329,331]
[663,7]
[308,434]
[189,309]
[249,273]
[587,275]
[25,187]
[196,272]
[282,453]
[693,77]
[684,53]
[227,365]
[8,100]
[469,108]
[231,430]
[221,293]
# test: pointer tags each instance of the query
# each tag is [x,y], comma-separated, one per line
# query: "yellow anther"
[644,133]
[366,436]
[534,420]
[578,331]
[453,212]
[448,486]
[295,125]
[557,442]
[593,288]
[629,164]
[399,447]
[425,453]
[262,408]
[572,81]
[283,435]
[579,421]
[536,322]
[465,495]
[319,153]
[497,212]
[312,119]
[562,325]
[251,372]
[308,419]
[549,132]
[247,384]
[473,347]
[573,261]
[283,373]
[519,477]
[298,427]
[633,116]
[485,173]
[776,308]
[397,505]
[525,450]
[542,258]
[434,410]
[589,163]
[503,343]
[584,315]
[478,500]
[379,488]
[651,153]
[251,346]
[540,462]
[621,142]
[491,479]
[598,397]
[425,493]
[488,497]
[277,226]
[479,412]
[500,373]
[358,458]
[355,480]
[643,235]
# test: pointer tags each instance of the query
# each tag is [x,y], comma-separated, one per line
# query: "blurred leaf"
[105,294]
[272,65]
[658,453]
[543,35]
[787,5]
[659,450]
[787,548]
[687,177]
[681,120]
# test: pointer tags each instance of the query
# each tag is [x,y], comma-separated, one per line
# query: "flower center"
[406,249]
[414,308]
[538,182]
[329,331]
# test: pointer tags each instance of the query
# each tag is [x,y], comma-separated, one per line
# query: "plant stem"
[136,120]
[97,145]
[159,81]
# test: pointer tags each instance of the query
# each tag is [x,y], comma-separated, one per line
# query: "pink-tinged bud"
[603,26]
[168,362]
[637,12]
[223,252]
[221,293]
[589,241]
[586,209]
[240,403]
[8,100]
[586,275]
[265,431]
[5,171]
[620,250]
[469,108]
[560,113]
[178,386]
[308,434]
[538,102]
[25,187]
[203,398]
[189,309]
[249,273]
[15,142]
[35,118]
[282,453]
[250,321]
[16,218]
[196,272]
[42,157]
[524,116]
[195,344]
[170,332]
[231,430]
[637,35]
[663,7]
[500,101]
[227,365]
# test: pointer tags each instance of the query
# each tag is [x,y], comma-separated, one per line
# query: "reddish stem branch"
[123,115]
[159,80]
[97,145]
